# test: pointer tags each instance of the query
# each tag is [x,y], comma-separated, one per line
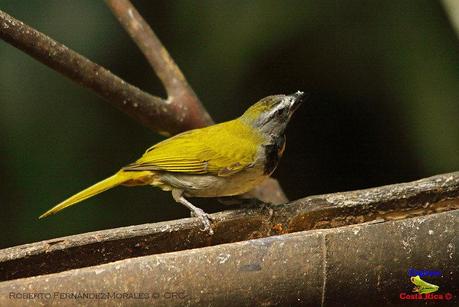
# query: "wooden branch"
[355,264]
[151,111]
[180,112]
[181,96]
[400,201]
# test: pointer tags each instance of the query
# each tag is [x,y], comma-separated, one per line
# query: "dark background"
[384,78]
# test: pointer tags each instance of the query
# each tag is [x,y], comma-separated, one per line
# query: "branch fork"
[180,111]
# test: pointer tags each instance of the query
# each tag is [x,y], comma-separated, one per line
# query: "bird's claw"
[206,223]
[205,219]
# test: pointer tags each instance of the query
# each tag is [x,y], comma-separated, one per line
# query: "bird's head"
[271,114]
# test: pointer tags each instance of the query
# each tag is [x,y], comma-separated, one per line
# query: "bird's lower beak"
[295,101]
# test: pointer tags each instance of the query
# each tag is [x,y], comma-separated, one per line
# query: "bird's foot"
[205,219]
[195,211]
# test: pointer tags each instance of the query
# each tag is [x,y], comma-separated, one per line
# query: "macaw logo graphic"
[422,286]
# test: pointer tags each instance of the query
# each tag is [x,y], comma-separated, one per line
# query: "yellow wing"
[221,149]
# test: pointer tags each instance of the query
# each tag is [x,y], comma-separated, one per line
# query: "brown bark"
[393,202]
[150,110]
[181,97]
[351,247]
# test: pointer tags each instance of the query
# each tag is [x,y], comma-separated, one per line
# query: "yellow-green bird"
[225,159]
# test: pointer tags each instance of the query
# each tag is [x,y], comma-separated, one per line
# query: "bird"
[225,159]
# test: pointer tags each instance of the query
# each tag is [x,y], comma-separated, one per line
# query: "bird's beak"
[295,101]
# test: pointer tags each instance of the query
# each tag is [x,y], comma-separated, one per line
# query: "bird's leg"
[195,211]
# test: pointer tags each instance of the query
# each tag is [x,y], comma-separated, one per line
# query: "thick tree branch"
[180,95]
[351,265]
[393,202]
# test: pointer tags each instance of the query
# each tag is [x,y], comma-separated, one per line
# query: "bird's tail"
[95,189]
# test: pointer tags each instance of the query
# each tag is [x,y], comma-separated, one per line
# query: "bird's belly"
[213,186]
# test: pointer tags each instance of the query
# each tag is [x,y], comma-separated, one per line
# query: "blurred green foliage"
[385,106]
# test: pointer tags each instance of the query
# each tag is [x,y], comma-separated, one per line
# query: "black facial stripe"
[272,154]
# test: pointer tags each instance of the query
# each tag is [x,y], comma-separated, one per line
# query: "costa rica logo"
[424,290]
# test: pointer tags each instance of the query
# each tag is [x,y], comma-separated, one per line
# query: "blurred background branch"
[452,9]
[181,96]
[150,110]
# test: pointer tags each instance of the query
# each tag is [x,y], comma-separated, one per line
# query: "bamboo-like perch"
[399,201]
[345,247]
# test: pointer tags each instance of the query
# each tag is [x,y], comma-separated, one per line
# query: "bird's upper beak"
[295,101]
